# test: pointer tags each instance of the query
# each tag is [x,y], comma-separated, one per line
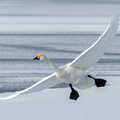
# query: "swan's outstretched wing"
[94,52]
[43,84]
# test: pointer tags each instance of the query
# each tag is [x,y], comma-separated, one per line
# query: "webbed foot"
[98,81]
[74,95]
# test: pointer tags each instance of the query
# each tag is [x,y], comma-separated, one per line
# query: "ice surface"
[18,70]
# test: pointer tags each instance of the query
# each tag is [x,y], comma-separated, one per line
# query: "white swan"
[74,73]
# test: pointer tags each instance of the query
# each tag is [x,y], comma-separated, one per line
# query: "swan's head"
[40,57]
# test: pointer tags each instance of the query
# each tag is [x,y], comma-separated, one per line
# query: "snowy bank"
[52,25]
[95,104]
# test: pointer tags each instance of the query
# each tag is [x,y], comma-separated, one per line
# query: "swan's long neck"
[57,70]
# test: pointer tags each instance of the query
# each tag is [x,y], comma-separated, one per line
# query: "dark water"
[18,70]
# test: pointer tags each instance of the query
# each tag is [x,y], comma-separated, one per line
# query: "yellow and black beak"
[37,57]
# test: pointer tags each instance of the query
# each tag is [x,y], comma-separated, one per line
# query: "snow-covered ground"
[52,24]
[93,104]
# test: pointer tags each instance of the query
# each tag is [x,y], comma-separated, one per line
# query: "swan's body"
[69,74]
[72,75]
[75,72]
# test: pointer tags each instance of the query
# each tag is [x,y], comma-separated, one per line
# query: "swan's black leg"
[98,81]
[74,94]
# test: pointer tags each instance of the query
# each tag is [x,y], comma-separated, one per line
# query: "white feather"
[42,84]
[94,52]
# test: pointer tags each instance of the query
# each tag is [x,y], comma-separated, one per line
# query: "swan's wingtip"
[115,18]
[115,22]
